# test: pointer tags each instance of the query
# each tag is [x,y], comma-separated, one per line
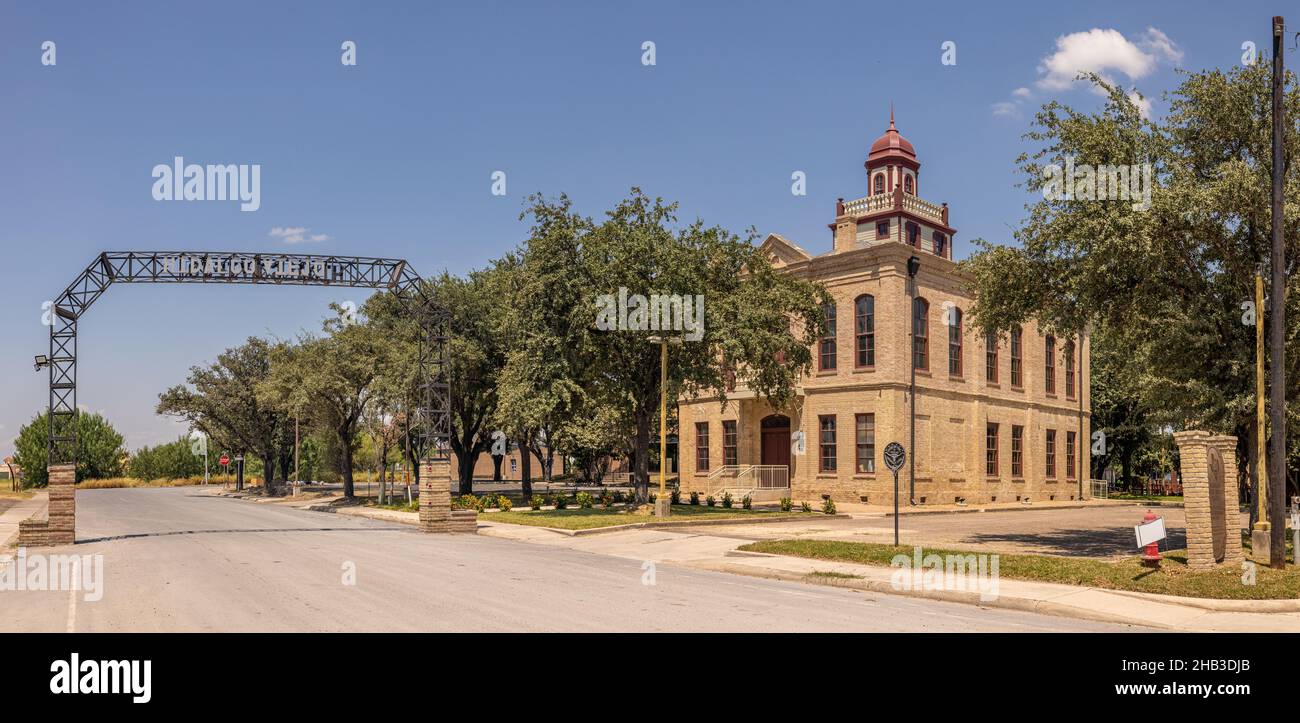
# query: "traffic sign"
[225,460]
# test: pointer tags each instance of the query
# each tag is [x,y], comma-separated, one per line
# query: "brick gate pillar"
[435,496]
[1207,462]
[61,526]
[1227,446]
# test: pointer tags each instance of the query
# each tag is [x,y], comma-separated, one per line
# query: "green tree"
[99,449]
[759,326]
[173,460]
[1166,283]
[221,401]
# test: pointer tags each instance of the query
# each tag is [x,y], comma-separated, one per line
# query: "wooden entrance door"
[776,440]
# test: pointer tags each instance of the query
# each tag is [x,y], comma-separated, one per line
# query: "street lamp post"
[663,503]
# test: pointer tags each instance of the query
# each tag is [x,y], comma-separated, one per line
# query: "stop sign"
[224,460]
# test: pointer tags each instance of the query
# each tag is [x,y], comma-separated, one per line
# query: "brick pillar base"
[1194,456]
[61,526]
[435,496]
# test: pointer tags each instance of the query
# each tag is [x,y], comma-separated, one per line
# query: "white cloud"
[1096,51]
[297,235]
[1006,108]
[1105,52]
[1159,44]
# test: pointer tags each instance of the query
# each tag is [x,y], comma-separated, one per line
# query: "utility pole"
[1277,396]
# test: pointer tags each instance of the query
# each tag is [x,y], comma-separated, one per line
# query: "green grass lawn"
[1173,577]
[580,519]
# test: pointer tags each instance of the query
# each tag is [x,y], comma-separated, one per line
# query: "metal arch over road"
[205,267]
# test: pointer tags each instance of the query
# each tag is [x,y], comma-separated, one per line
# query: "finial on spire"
[891,114]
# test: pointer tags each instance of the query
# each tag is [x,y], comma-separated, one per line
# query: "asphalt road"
[178,560]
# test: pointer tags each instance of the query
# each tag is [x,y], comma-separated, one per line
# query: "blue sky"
[393,157]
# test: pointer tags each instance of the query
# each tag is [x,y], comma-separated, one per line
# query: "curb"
[1044,607]
[1262,607]
[664,525]
[1026,508]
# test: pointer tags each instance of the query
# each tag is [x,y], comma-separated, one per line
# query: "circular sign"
[224,460]
[894,456]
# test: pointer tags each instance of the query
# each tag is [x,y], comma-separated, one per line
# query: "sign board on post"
[895,457]
[1149,533]
[225,460]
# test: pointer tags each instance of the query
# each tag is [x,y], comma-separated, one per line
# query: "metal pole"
[1262,523]
[205,460]
[895,508]
[1277,398]
[663,418]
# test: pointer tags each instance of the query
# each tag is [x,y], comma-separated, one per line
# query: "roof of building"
[891,144]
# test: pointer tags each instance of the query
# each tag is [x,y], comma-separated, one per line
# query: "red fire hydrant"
[1151,553]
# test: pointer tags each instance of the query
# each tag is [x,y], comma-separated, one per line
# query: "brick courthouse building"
[997,419]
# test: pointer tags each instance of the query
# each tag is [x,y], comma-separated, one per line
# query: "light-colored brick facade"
[954,404]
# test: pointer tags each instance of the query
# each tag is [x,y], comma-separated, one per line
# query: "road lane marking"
[72,595]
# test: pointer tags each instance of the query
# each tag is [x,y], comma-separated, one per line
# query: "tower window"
[882,229]
[864,314]
[940,242]
[878,185]
[913,234]
[907,184]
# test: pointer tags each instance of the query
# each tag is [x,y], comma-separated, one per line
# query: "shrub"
[828,506]
[536,502]
[489,501]
[465,502]
[561,501]
[584,500]
[606,499]
[695,498]
[726,500]
[805,506]
[653,496]
[481,503]
[747,503]
[549,499]
[710,501]
[676,497]
[618,496]
[504,503]
[786,504]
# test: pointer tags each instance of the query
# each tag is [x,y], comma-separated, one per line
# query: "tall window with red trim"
[907,184]
[1017,378]
[729,442]
[940,244]
[701,446]
[827,356]
[866,443]
[913,234]
[1050,451]
[920,333]
[864,324]
[1069,454]
[1049,364]
[954,341]
[991,357]
[1017,451]
[991,450]
[1069,369]
[826,427]
[878,186]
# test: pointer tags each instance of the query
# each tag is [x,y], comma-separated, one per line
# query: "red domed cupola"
[890,154]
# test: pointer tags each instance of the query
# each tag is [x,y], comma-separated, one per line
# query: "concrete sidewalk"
[23,510]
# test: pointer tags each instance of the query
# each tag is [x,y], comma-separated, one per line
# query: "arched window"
[827,352]
[879,184]
[907,184]
[920,334]
[864,324]
[954,341]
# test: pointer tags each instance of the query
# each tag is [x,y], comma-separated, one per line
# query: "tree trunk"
[525,470]
[345,440]
[383,473]
[641,469]
[496,467]
[465,463]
